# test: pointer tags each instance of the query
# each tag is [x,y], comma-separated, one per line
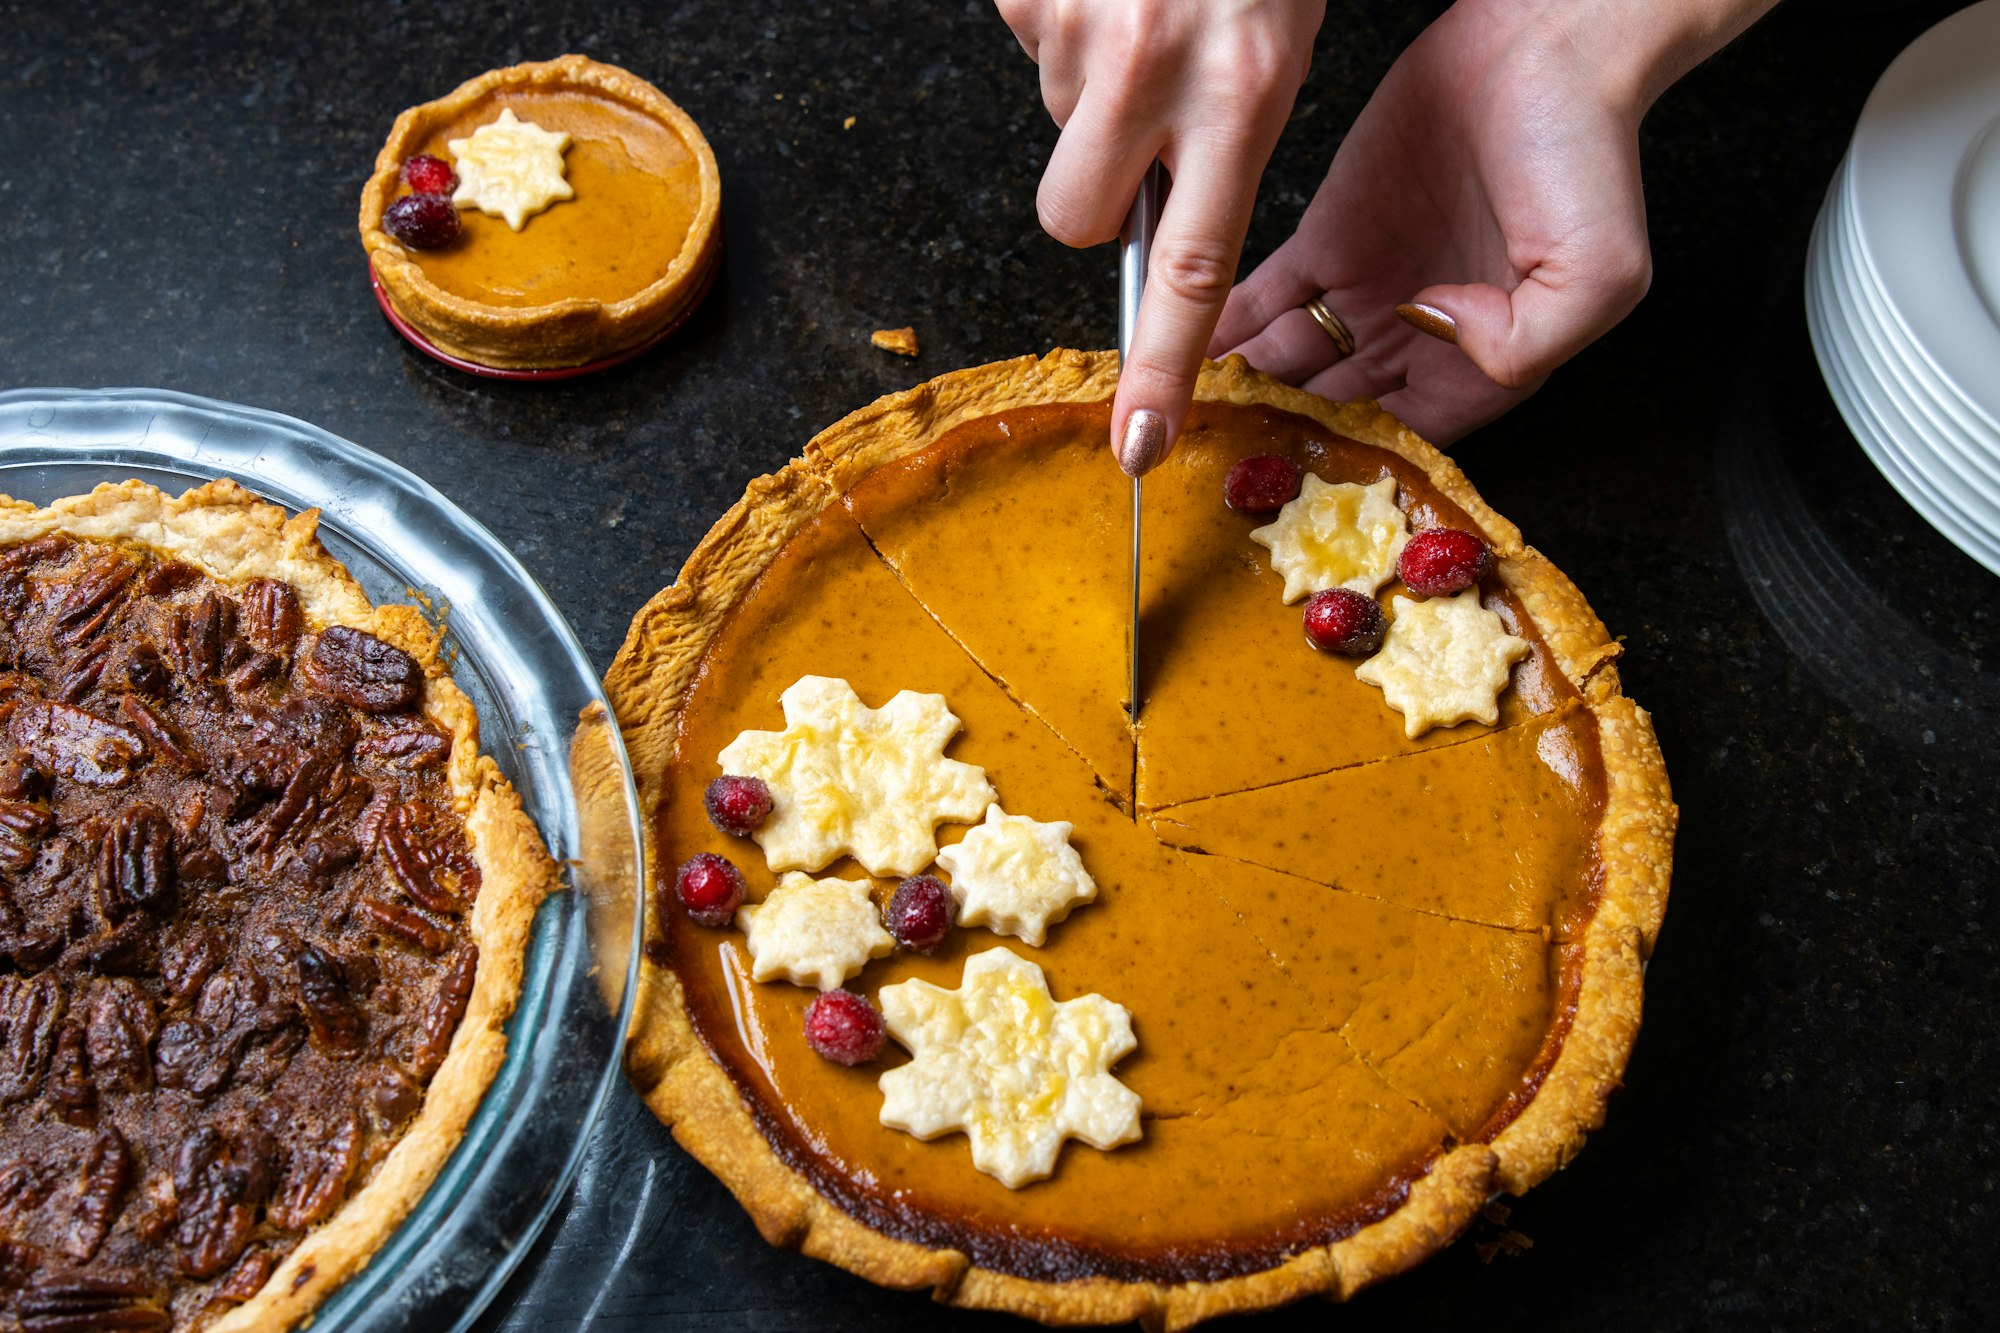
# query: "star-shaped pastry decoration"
[511,168]
[1444,661]
[813,932]
[1017,876]
[1336,535]
[850,780]
[1002,1060]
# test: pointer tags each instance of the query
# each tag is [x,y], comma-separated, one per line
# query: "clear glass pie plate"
[544,720]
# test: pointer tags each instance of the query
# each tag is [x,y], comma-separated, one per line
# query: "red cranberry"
[738,805]
[426,221]
[844,1027]
[1441,561]
[1341,621]
[709,888]
[429,175]
[1261,485]
[922,913]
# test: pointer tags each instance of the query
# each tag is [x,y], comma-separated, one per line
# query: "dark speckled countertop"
[1808,1134]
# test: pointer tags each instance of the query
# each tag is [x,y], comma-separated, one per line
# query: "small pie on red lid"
[589,208]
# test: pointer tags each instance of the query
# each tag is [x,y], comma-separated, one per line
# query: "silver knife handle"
[1135,252]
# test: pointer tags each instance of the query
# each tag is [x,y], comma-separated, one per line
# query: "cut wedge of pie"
[1370,979]
[589,205]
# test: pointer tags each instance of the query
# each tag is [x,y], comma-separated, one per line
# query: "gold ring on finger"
[1335,327]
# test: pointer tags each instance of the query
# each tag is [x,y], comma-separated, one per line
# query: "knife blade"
[1135,248]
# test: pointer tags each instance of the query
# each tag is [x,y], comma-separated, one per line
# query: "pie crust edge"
[231,535]
[562,333]
[655,668]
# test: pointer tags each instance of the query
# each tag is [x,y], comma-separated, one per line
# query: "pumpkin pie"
[1370,979]
[616,250]
[264,906]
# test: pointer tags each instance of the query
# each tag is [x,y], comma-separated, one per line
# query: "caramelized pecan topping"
[233,936]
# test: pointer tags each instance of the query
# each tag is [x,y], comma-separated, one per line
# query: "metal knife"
[1135,249]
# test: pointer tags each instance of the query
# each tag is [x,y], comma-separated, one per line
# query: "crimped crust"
[564,333]
[654,672]
[231,535]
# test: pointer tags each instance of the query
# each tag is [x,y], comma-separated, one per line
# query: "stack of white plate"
[1903,280]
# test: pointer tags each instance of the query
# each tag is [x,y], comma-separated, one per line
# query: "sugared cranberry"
[1441,561]
[709,888]
[1261,485]
[922,912]
[429,175]
[844,1027]
[738,805]
[1342,621]
[427,221]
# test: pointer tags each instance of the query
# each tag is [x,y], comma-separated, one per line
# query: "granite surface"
[1808,1134]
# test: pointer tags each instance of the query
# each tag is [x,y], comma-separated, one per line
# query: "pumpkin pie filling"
[638,187]
[1309,1042]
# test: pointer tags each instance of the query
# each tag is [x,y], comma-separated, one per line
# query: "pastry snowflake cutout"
[1336,535]
[850,780]
[1017,876]
[1002,1060]
[813,932]
[511,168]
[1445,661]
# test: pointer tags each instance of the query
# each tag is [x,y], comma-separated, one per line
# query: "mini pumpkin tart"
[587,215]
[1262,998]
[263,903]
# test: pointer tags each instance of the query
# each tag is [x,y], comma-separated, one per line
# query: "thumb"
[1516,338]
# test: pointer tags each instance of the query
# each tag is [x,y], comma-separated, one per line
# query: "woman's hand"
[1204,86]
[1491,189]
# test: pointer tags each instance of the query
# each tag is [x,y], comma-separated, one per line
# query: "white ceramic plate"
[1980,441]
[1927,200]
[1873,423]
[1930,439]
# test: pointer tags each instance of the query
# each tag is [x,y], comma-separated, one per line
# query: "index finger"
[1193,266]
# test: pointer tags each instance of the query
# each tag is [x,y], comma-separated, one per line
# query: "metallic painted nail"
[1429,319]
[1144,444]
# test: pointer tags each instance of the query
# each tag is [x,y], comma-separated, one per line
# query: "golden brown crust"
[231,535]
[655,668]
[565,333]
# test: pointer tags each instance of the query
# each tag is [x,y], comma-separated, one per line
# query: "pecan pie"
[263,907]
[1376,969]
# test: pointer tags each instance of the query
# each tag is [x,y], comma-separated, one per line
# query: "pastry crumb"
[903,341]
[847,124]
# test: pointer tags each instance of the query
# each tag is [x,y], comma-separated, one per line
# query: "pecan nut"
[30,1012]
[362,671]
[78,744]
[271,618]
[118,1036]
[94,1302]
[220,1184]
[135,861]
[428,859]
[408,749]
[92,597]
[338,1026]
[160,735]
[406,924]
[70,1088]
[107,1170]
[442,1012]
[22,825]
[318,1165]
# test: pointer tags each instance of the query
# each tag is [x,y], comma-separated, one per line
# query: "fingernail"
[1429,319]
[1145,440]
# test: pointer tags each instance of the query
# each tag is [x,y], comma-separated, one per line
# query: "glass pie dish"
[543,720]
